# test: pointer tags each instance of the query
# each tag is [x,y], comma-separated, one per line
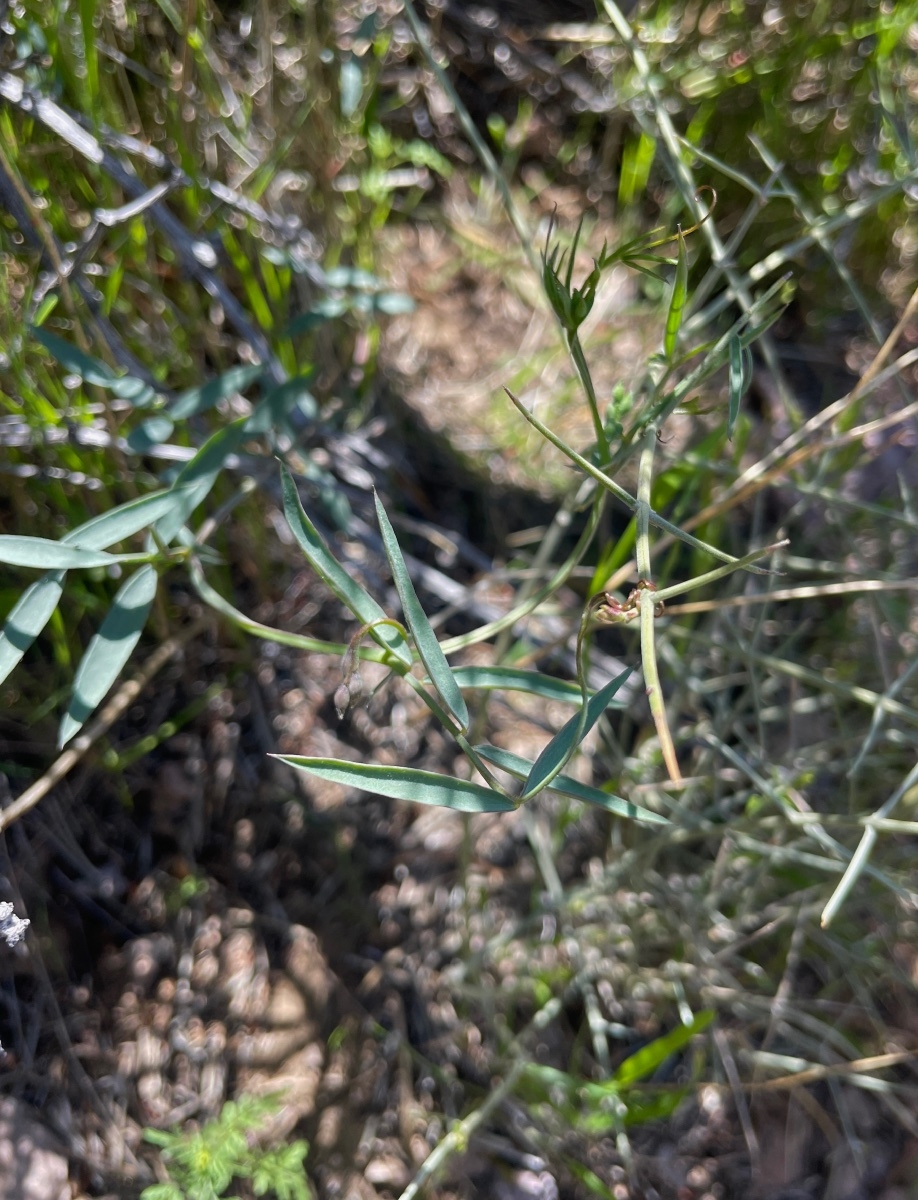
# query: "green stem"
[619,492]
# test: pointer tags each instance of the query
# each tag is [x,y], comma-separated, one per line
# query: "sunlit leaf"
[46,554]
[404,783]
[109,649]
[34,608]
[124,521]
[330,571]
[425,639]
[648,1058]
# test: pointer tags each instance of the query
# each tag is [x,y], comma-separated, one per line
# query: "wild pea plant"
[672,376]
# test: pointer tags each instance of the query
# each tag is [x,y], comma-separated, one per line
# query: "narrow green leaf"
[198,476]
[109,649]
[330,571]
[520,768]
[94,370]
[737,382]
[124,521]
[647,1059]
[200,399]
[564,743]
[641,1107]
[513,679]
[404,783]
[45,309]
[676,301]
[36,604]
[21,551]
[91,370]
[28,618]
[425,639]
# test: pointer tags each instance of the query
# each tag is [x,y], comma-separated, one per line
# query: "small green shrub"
[202,1164]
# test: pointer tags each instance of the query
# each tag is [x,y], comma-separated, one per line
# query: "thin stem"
[619,492]
[648,602]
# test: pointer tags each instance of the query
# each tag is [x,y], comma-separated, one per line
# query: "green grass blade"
[28,618]
[639,1065]
[559,750]
[109,649]
[519,768]
[513,679]
[737,382]
[200,399]
[46,554]
[404,783]
[425,639]
[330,571]
[676,302]
[199,475]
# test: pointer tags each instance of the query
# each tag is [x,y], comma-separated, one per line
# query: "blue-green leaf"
[425,639]
[198,476]
[564,743]
[513,679]
[36,604]
[124,521]
[21,551]
[109,649]
[135,391]
[91,370]
[676,301]
[200,399]
[94,370]
[151,432]
[520,768]
[330,571]
[404,783]
[28,618]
